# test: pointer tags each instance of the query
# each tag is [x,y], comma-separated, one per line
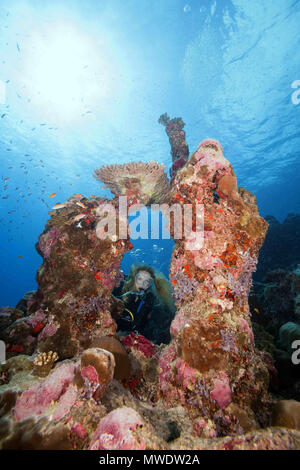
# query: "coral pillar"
[211,366]
[179,147]
[76,278]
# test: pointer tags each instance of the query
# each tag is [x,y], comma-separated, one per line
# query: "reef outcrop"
[206,389]
[211,362]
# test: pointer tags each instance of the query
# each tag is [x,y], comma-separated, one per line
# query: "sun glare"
[65,73]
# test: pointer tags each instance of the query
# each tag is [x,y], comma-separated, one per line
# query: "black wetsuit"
[137,306]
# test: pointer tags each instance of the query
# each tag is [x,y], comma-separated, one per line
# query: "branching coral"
[43,363]
[142,182]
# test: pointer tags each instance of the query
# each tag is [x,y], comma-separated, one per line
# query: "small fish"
[20,256]
[18,47]
[77,195]
[6,179]
[79,217]
[81,205]
[52,195]
[256,310]
[58,206]
[3,115]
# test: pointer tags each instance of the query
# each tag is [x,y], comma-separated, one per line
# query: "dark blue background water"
[83,84]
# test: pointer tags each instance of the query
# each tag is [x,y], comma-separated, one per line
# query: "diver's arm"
[124,298]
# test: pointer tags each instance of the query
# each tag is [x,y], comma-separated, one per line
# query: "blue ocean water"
[83,84]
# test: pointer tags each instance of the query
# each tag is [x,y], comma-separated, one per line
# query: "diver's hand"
[117,299]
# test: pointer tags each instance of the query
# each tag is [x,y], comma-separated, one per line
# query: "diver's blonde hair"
[162,291]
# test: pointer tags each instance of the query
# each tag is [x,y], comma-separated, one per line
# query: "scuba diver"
[142,293]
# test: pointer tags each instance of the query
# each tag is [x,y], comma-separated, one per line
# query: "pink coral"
[166,358]
[37,399]
[246,329]
[114,432]
[221,392]
[79,429]
[211,143]
[141,343]
[178,323]
[186,374]
[90,373]
[66,401]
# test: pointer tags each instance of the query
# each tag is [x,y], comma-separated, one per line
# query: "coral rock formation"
[211,361]
[179,148]
[207,389]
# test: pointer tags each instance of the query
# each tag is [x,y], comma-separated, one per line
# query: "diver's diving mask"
[143,280]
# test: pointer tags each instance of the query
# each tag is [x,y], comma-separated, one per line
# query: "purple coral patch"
[47,240]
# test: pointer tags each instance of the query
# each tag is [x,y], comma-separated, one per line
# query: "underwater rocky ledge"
[70,382]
